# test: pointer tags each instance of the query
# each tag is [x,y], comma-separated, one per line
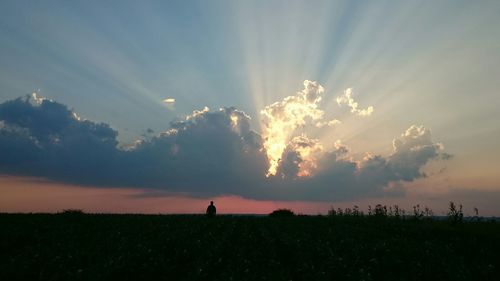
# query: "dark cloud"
[40,137]
[209,152]
[372,175]
[205,154]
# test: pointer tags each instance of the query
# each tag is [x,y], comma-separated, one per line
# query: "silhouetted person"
[211,210]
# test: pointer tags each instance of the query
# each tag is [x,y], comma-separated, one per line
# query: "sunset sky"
[162,106]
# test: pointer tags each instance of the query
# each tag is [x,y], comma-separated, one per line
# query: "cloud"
[281,120]
[413,150]
[284,120]
[209,153]
[206,153]
[300,157]
[169,100]
[330,123]
[41,137]
[337,177]
[347,99]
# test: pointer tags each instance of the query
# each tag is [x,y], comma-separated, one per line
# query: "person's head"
[211,202]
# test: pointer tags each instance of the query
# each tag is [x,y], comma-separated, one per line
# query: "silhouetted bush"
[72,212]
[332,212]
[282,213]
[380,211]
[455,214]
[476,215]
[396,211]
[353,212]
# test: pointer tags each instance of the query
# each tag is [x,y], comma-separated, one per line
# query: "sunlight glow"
[169,100]
[289,127]
[234,121]
[281,119]
[309,150]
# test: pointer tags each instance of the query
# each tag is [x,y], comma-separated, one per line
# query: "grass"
[77,246]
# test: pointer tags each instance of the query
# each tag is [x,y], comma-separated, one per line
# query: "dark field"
[154,247]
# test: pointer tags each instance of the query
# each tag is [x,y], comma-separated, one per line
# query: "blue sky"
[430,63]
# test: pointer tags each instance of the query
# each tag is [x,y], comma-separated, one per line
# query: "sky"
[162,106]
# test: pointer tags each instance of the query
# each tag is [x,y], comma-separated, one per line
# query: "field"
[182,247]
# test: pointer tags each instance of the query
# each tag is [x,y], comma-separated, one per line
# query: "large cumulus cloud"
[208,152]
[205,154]
[40,137]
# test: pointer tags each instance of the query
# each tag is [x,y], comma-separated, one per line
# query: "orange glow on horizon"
[37,195]
[27,195]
